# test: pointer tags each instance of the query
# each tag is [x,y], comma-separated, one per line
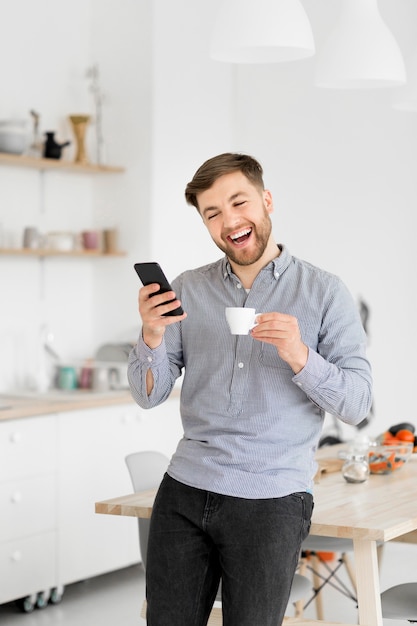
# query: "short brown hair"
[217,166]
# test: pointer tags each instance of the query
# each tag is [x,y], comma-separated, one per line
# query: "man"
[236,501]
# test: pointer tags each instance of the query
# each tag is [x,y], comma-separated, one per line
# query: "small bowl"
[62,241]
[14,138]
[385,459]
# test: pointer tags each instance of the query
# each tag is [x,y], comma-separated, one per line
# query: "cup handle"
[255,323]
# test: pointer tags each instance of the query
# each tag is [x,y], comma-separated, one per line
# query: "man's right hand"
[152,309]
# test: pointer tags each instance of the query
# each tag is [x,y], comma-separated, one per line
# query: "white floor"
[117,598]
[107,600]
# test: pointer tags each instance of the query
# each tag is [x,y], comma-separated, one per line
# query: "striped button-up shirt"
[251,426]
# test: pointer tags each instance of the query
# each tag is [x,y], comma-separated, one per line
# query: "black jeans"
[198,537]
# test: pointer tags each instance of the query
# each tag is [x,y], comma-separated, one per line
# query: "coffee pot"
[52,149]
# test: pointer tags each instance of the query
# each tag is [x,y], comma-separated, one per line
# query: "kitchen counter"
[15,406]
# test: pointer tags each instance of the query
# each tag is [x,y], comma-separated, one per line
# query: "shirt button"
[240,365]
[300,384]
[239,286]
[150,359]
[276,274]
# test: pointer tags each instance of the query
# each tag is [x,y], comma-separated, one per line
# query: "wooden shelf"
[46,252]
[18,160]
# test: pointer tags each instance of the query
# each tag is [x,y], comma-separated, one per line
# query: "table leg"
[367,581]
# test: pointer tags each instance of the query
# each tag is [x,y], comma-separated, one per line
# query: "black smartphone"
[152,273]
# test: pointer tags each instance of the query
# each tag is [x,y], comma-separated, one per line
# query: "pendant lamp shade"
[261,31]
[405,98]
[361,53]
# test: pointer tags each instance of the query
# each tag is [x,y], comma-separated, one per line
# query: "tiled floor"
[117,598]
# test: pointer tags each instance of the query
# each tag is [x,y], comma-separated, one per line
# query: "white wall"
[122,46]
[192,120]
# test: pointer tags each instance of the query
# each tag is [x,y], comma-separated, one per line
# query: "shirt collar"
[276,267]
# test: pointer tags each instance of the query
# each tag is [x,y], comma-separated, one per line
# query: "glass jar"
[356,468]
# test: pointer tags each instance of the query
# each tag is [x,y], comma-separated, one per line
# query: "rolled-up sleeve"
[344,392]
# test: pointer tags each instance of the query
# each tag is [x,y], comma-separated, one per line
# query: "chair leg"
[380,553]
[299,605]
[330,577]
[143,610]
[346,562]
[298,609]
[317,583]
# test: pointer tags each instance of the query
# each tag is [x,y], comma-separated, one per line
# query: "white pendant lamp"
[405,98]
[361,53]
[261,31]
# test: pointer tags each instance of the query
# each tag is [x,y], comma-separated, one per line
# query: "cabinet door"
[28,506]
[27,447]
[27,566]
[91,463]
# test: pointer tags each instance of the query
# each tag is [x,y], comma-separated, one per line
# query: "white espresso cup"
[240,319]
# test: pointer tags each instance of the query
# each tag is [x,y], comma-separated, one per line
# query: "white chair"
[146,471]
[400,602]
[325,572]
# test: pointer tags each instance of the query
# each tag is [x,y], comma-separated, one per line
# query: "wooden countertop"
[31,405]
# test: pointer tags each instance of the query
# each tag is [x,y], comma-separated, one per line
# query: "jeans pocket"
[307,505]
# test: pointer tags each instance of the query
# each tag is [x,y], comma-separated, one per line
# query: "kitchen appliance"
[110,366]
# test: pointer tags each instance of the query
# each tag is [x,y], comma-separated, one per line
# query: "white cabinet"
[52,471]
[93,444]
[28,505]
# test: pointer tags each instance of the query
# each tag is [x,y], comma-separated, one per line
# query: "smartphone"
[152,273]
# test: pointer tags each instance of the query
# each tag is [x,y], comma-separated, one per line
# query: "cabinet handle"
[16,556]
[16,497]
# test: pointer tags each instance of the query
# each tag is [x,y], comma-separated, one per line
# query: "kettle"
[52,149]
[109,377]
[101,380]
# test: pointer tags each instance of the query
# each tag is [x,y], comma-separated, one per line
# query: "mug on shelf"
[67,377]
[90,239]
[31,237]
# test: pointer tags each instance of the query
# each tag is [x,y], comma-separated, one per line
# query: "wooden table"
[382,509]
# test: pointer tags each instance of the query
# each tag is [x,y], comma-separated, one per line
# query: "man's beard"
[243,256]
